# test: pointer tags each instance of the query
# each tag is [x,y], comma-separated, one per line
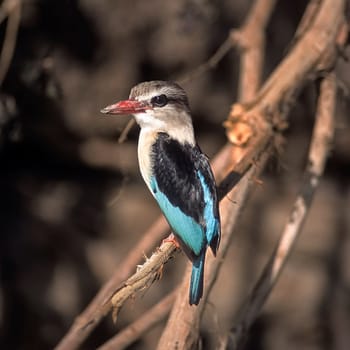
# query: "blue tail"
[196,285]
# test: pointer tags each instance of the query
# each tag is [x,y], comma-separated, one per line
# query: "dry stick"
[306,20]
[251,40]
[122,137]
[184,334]
[14,18]
[320,145]
[219,54]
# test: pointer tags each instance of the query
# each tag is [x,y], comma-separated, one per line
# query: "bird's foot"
[172,239]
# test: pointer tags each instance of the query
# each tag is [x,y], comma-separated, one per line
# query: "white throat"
[179,131]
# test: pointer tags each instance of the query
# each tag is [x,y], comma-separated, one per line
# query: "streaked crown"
[160,93]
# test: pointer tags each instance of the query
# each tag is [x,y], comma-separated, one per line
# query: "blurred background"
[72,202]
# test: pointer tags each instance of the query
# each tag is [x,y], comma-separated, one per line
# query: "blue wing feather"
[189,231]
[211,221]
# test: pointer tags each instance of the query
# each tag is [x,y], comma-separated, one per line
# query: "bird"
[175,170]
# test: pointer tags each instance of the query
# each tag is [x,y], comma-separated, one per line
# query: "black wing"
[176,169]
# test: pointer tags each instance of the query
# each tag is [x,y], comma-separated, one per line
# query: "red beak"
[126,107]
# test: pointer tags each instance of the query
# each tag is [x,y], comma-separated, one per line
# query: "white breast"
[146,140]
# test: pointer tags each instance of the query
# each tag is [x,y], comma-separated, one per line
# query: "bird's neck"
[177,125]
[183,134]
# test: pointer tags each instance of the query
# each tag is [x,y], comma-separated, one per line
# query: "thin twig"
[14,18]
[320,145]
[211,63]
[127,128]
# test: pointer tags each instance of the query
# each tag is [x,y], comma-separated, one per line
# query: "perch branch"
[320,145]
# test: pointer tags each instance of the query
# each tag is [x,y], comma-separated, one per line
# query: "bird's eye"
[159,101]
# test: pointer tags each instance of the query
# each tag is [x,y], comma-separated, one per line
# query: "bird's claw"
[172,239]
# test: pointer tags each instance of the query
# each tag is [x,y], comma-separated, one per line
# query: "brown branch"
[320,145]
[301,64]
[146,274]
[306,20]
[251,41]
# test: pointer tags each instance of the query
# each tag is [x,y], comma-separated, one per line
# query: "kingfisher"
[175,170]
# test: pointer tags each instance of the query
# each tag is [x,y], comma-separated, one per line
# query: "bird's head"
[157,105]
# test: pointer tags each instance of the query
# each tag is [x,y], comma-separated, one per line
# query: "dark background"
[72,202]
